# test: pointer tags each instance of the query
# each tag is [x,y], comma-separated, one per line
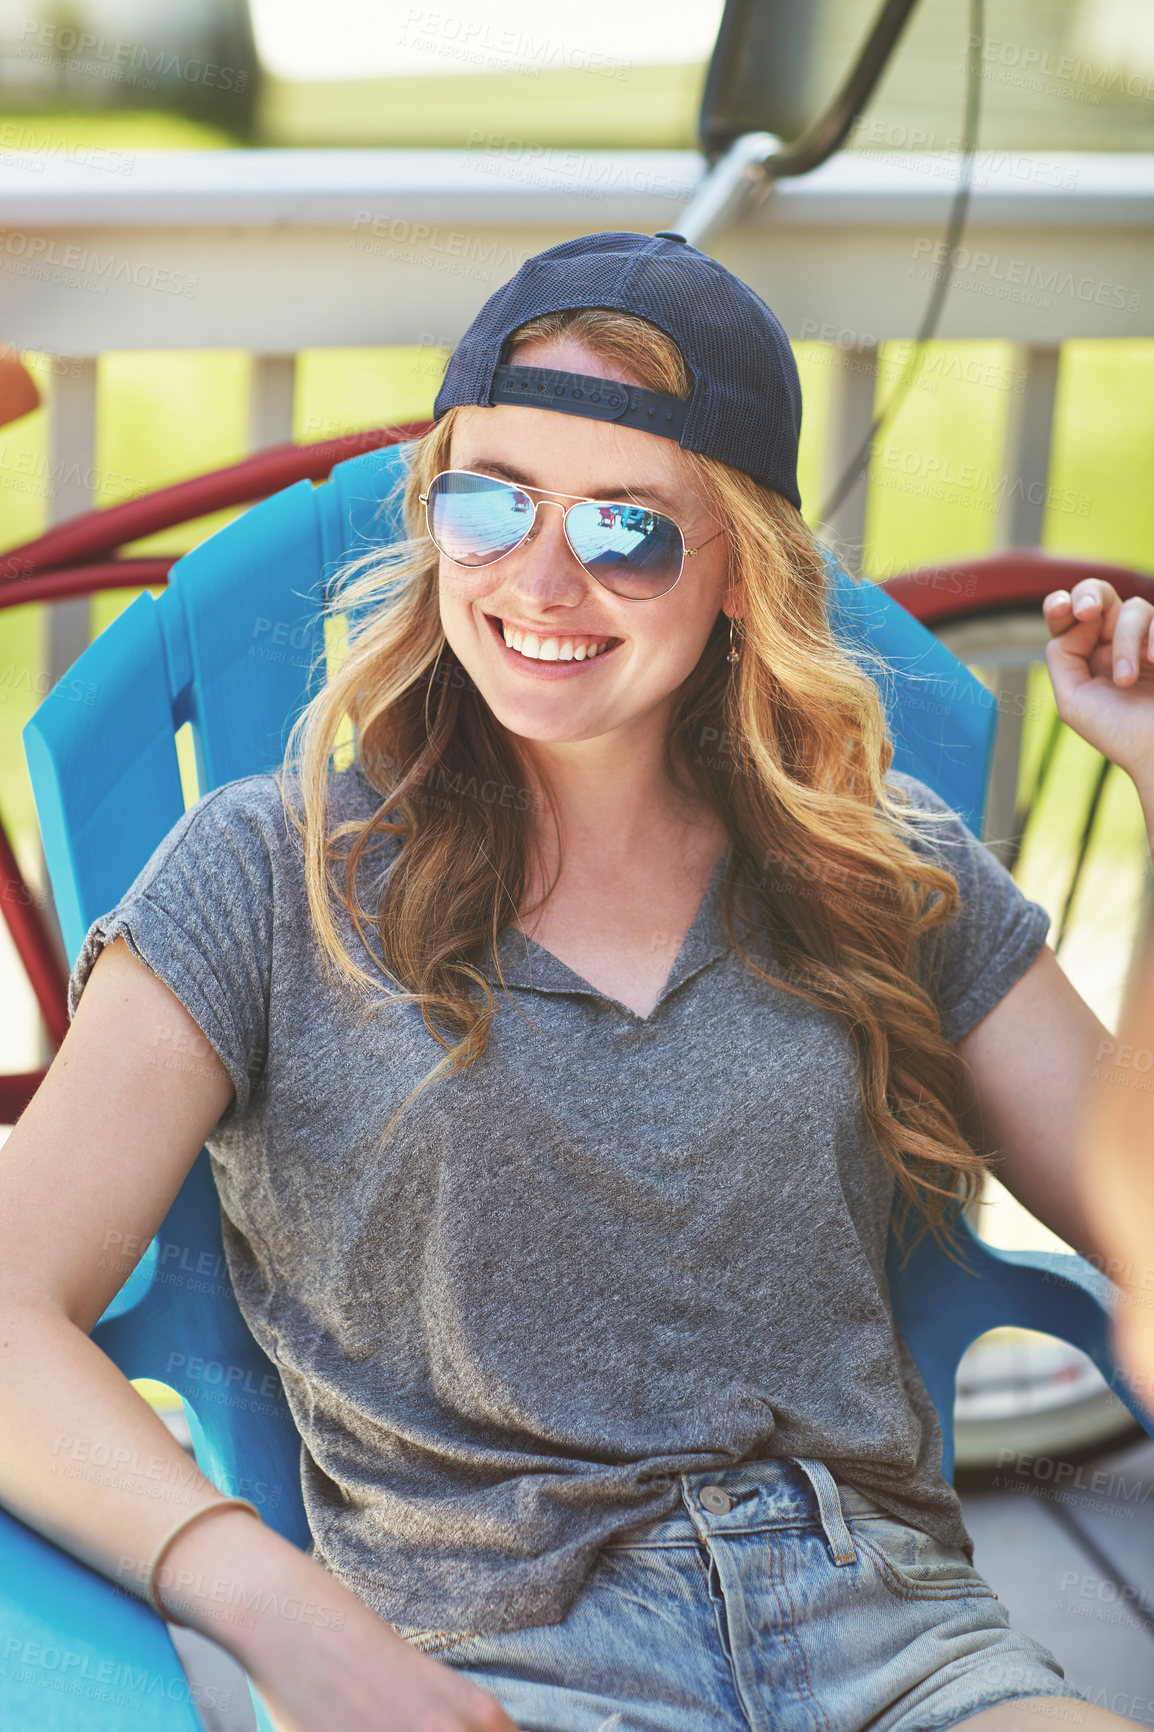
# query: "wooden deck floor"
[1075,1567]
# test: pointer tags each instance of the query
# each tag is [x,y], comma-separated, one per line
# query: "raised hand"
[1101,662]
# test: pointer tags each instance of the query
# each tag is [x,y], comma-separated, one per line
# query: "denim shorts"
[776,1600]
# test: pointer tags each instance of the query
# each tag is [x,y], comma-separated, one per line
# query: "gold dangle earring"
[734,654]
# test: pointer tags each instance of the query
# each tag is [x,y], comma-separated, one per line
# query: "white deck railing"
[285,249]
[277,251]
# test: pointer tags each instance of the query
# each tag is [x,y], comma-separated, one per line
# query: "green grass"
[556,111]
[118,129]
[559,111]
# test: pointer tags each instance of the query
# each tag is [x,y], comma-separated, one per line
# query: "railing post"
[1026,458]
[270,416]
[71,476]
[1021,516]
[1003,825]
[71,480]
[851,413]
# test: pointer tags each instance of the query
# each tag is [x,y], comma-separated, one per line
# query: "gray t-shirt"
[615,1249]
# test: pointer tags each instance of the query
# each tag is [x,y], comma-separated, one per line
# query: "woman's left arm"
[1037,1059]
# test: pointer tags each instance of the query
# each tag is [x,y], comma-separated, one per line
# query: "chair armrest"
[1062,1294]
[939,1308]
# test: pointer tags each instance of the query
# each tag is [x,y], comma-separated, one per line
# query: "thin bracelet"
[205,1509]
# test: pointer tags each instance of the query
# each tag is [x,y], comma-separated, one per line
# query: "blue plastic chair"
[233,646]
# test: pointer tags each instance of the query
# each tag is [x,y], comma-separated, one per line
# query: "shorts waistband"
[764,1494]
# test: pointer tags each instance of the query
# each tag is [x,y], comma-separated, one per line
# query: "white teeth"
[549,649]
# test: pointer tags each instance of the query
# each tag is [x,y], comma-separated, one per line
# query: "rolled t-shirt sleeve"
[199,915]
[972,961]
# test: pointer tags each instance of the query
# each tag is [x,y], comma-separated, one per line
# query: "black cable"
[954,231]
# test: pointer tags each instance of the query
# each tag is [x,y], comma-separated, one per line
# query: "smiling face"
[542,590]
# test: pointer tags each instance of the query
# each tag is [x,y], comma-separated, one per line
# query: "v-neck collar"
[527,964]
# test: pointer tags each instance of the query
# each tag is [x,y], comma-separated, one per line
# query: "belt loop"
[829,1507]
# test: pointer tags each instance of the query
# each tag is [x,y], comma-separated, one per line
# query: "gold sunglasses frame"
[575,499]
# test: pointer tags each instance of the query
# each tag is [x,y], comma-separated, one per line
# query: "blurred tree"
[195,58]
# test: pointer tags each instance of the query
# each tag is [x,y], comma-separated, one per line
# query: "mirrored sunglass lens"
[633,551]
[475,519]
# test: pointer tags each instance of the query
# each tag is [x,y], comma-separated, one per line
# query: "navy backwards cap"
[745,405]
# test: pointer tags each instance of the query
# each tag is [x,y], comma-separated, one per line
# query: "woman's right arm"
[86,1179]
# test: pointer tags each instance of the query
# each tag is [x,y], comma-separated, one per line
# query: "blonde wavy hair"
[820,856]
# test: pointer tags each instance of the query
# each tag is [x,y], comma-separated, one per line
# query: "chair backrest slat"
[250,599]
[101,754]
[941,718]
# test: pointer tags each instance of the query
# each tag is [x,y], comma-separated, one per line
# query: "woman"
[605,1421]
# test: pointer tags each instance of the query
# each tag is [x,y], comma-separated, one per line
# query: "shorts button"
[715,1500]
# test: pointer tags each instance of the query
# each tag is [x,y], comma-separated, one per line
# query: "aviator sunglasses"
[633,551]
